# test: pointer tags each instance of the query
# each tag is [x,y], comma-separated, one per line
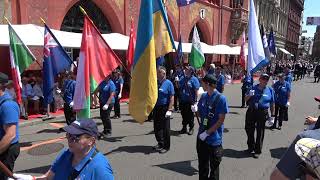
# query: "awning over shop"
[285,51]
[32,35]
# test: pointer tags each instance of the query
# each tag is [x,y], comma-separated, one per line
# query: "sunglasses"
[73,138]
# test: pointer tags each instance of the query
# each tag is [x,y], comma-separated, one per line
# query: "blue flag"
[179,53]
[256,56]
[56,60]
[271,43]
[181,3]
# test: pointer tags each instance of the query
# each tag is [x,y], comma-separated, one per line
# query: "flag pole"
[85,13]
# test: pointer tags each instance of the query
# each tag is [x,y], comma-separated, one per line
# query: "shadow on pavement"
[175,133]
[226,130]
[49,131]
[231,153]
[232,112]
[113,139]
[278,152]
[37,170]
[130,120]
[133,149]
[236,107]
[182,167]
[25,144]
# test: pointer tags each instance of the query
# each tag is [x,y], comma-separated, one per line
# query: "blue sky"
[311,8]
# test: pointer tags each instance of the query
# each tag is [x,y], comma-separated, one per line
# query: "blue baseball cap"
[83,126]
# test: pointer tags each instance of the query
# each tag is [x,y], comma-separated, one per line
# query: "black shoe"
[162,151]
[255,155]
[279,128]
[273,127]
[249,151]
[191,130]
[115,117]
[61,130]
[183,131]
[157,147]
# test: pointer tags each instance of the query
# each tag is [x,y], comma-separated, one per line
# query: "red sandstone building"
[294,25]
[218,21]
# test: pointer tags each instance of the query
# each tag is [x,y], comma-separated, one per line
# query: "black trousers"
[255,121]
[117,106]
[209,158]
[281,113]
[161,126]
[187,115]
[105,117]
[8,158]
[176,99]
[69,114]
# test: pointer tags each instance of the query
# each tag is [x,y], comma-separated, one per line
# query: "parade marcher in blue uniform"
[259,99]
[188,87]
[81,160]
[213,108]
[282,91]
[9,128]
[220,79]
[177,76]
[247,84]
[68,89]
[211,69]
[118,82]
[316,74]
[163,111]
[288,75]
[107,91]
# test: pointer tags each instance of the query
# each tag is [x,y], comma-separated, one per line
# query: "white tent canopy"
[32,35]
[285,51]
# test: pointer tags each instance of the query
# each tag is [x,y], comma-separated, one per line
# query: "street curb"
[38,121]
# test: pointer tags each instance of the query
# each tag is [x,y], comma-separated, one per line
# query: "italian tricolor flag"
[97,61]
[196,55]
[20,58]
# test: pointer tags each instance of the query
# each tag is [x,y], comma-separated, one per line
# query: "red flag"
[97,61]
[242,54]
[131,47]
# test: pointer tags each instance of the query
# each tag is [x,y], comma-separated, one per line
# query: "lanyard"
[74,174]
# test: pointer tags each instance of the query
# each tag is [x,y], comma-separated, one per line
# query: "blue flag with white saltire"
[179,53]
[256,56]
[56,60]
[271,43]
[181,3]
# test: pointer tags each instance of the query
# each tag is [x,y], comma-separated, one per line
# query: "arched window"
[73,21]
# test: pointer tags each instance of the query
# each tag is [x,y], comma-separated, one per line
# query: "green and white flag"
[196,58]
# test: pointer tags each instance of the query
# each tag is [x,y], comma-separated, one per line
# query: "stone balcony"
[239,22]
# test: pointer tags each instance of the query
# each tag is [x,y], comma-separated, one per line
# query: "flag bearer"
[259,99]
[247,83]
[162,111]
[118,82]
[213,108]
[282,91]
[68,89]
[220,79]
[188,86]
[107,92]
[9,128]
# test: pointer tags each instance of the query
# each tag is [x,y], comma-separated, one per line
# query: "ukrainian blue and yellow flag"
[154,39]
